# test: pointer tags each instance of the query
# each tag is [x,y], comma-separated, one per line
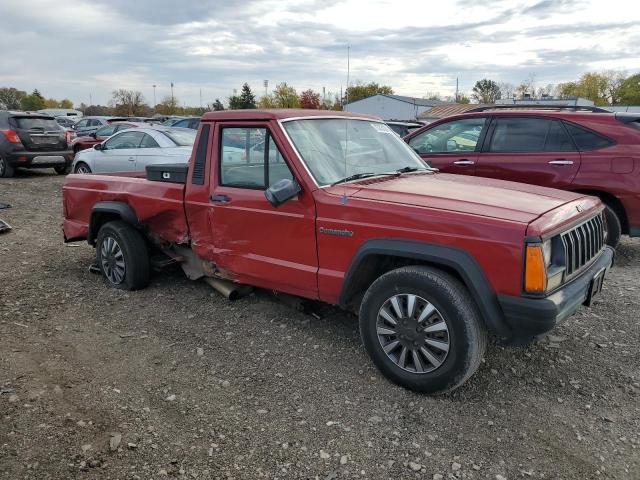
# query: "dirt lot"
[193,386]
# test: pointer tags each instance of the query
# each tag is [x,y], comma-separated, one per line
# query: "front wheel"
[422,329]
[62,169]
[123,256]
[82,168]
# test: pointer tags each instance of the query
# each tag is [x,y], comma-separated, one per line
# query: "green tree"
[486,91]
[216,106]
[462,98]
[285,96]
[66,103]
[361,90]
[310,99]
[167,106]
[247,98]
[629,92]
[602,88]
[11,98]
[266,101]
[33,102]
[235,102]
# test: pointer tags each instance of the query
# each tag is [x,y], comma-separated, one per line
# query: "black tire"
[6,170]
[466,335]
[135,256]
[614,227]
[62,169]
[82,167]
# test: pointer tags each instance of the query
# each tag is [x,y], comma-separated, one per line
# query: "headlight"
[544,266]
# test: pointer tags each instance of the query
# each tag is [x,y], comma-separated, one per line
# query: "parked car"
[191,122]
[429,261]
[66,122]
[100,135]
[584,151]
[171,120]
[29,140]
[88,125]
[404,128]
[132,150]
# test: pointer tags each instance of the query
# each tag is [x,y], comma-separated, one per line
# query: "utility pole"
[90,100]
[200,99]
[456,89]
[266,87]
[154,98]
[173,108]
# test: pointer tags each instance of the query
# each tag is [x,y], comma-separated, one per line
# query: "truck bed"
[159,206]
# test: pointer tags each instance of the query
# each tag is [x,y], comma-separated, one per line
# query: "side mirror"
[281,191]
[98,146]
[94,134]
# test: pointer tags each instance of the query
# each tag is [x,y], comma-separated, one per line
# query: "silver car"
[133,149]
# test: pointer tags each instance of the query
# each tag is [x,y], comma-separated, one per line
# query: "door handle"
[464,162]
[219,198]
[561,162]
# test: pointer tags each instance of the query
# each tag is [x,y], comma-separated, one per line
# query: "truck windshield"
[340,149]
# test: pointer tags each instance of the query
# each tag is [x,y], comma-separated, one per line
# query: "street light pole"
[173,108]
[154,98]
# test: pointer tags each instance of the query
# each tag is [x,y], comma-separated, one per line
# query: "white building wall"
[386,108]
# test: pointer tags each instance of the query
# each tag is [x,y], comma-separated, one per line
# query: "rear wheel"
[62,169]
[82,167]
[614,227]
[6,170]
[422,329]
[122,256]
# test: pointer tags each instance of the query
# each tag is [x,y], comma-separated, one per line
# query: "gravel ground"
[176,381]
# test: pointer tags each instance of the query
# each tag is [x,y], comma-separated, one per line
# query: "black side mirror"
[281,191]
[98,146]
[94,134]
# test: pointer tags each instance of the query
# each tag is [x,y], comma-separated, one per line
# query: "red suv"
[585,150]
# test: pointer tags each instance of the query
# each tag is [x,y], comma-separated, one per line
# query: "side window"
[243,152]
[558,139]
[82,123]
[148,141]
[518,134]
[95,123]
[454,136]
[124,140]
[586,139]
[181,124]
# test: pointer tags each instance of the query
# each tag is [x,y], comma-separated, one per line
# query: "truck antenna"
[346,130]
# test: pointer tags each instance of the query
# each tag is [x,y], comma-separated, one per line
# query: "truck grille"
[583,243]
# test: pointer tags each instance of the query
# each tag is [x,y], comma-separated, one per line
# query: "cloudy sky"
[76,48]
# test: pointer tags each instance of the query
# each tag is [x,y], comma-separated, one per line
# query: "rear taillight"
[11,135]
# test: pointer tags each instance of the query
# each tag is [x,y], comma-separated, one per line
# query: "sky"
[84,50]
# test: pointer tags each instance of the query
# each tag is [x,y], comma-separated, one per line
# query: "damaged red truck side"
[335,207]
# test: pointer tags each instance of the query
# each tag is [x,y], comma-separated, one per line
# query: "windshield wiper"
[357,176]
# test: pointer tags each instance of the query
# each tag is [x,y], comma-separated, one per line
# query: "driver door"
[452,146]
[119,153]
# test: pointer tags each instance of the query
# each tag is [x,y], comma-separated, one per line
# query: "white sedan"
[132,150]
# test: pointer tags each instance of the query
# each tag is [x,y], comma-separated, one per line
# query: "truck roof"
[278,114]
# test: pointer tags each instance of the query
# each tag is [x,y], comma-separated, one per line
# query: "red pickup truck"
[335,207]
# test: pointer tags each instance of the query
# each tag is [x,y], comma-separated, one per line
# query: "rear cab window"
[35,123]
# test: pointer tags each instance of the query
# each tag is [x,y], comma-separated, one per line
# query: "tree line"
[603,88]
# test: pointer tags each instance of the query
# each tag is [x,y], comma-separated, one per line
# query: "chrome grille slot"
[582,244]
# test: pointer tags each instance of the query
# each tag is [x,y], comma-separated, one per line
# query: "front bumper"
[42,159]
[532,316]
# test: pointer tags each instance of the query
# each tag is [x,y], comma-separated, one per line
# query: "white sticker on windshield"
[381,128]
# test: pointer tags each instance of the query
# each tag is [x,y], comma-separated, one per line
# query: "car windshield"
[335,149]
[182,137]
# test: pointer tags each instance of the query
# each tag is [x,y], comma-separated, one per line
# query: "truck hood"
[486,197]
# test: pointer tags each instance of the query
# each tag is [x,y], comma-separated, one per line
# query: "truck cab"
[333,206]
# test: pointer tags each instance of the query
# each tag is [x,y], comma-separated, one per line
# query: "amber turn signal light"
[535,276]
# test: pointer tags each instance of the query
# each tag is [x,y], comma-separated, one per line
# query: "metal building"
[391,107]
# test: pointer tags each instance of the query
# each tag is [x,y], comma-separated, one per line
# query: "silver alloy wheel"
[112,260]
[82,168]
[413,333]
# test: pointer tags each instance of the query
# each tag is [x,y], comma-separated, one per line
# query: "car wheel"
[62,169]
[122,256]
[614,227]
[6,170]
[82,168]
[422,329]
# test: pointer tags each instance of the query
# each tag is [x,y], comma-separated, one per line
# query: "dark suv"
[584,150]
[32,141]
